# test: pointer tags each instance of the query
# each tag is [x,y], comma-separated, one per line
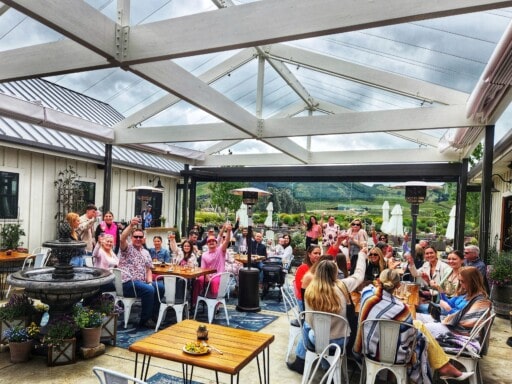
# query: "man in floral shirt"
[135,262]
[330,232]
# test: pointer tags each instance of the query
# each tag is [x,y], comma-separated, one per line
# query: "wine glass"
[242,249]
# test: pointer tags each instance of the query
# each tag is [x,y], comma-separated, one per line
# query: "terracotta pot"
[91,337]
[20,352]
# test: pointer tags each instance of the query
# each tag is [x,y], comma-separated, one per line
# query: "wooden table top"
[254,258]
[186,272]
[14,256]
[239,346]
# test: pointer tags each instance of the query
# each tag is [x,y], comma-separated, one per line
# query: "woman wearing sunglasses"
[374,266]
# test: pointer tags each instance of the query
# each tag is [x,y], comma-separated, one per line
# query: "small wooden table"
[10,264]
[239,348]
[186,272]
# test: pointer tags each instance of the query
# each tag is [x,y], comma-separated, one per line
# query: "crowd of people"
[336,260]
[457,284]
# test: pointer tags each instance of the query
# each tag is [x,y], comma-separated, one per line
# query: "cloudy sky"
[451,52]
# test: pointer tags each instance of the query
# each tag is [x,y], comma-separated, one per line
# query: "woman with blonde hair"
[73,219]
[103,254]
[326,293]
[375,265]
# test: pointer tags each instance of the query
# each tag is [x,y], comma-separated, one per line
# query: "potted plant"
[163,219]
[20,340]
[89,321]
[500,278]
[60,339]
[10,235]
[19,310]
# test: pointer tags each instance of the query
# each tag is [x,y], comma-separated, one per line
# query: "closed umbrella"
[396,223]
[385,217]
[450,229]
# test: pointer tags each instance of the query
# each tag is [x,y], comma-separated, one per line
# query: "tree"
[221,197]
[70,194]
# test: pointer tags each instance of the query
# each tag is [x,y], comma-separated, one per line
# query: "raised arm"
[126,233]
[225,242]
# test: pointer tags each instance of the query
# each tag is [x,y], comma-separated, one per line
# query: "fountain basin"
[61,294]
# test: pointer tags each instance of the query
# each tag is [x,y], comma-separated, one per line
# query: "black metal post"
[415,208]
[107,178]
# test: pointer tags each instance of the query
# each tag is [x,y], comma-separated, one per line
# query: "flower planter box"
[109,328]
[62,354]
[6,324]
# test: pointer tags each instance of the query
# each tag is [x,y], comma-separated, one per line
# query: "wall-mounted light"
[502,179]
[158,184]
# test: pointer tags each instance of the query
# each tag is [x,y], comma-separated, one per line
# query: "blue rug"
[162,378]
[272,301]
[243,320]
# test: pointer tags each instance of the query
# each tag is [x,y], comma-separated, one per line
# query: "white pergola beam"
[47,60]
[407,86]
[391,156]
[183,84]
[371,121]
[76,20]
[402,122]
[228,65]
[241,26]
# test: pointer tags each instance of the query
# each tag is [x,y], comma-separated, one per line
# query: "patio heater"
[248,278]
[415,195]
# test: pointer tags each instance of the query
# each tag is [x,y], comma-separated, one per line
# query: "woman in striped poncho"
[424,355]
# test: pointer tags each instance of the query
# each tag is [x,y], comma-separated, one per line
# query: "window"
[89,192]
[9,183]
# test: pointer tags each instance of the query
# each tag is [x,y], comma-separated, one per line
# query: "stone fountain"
[63,285]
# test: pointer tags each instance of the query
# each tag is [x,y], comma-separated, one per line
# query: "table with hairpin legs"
[232,350]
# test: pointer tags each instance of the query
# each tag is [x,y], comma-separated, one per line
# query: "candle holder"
[202,332]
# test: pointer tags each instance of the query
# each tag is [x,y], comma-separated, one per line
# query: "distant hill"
[335,194]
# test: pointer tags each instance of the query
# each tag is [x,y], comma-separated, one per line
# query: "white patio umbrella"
[450,229]
[385,217]
[396,223]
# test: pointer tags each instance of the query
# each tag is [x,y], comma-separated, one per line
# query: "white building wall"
[37,194]
[497,209]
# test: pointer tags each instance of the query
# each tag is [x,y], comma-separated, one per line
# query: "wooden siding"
[37,194]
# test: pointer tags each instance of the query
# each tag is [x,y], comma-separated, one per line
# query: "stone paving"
[495,366]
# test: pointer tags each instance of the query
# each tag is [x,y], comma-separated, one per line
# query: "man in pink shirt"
[214,258]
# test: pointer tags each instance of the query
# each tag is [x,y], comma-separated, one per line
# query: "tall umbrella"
[396,223]
[385,217]
[450,229]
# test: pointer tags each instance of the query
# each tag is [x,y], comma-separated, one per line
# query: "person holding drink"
[184,255]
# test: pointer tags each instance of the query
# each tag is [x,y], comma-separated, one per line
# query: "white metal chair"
[292,313]
[175,296]
[212,300]
[469,359]
[108,376]
[333,353]
[38,258]
[320,323]
[386,333]
[118,295]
